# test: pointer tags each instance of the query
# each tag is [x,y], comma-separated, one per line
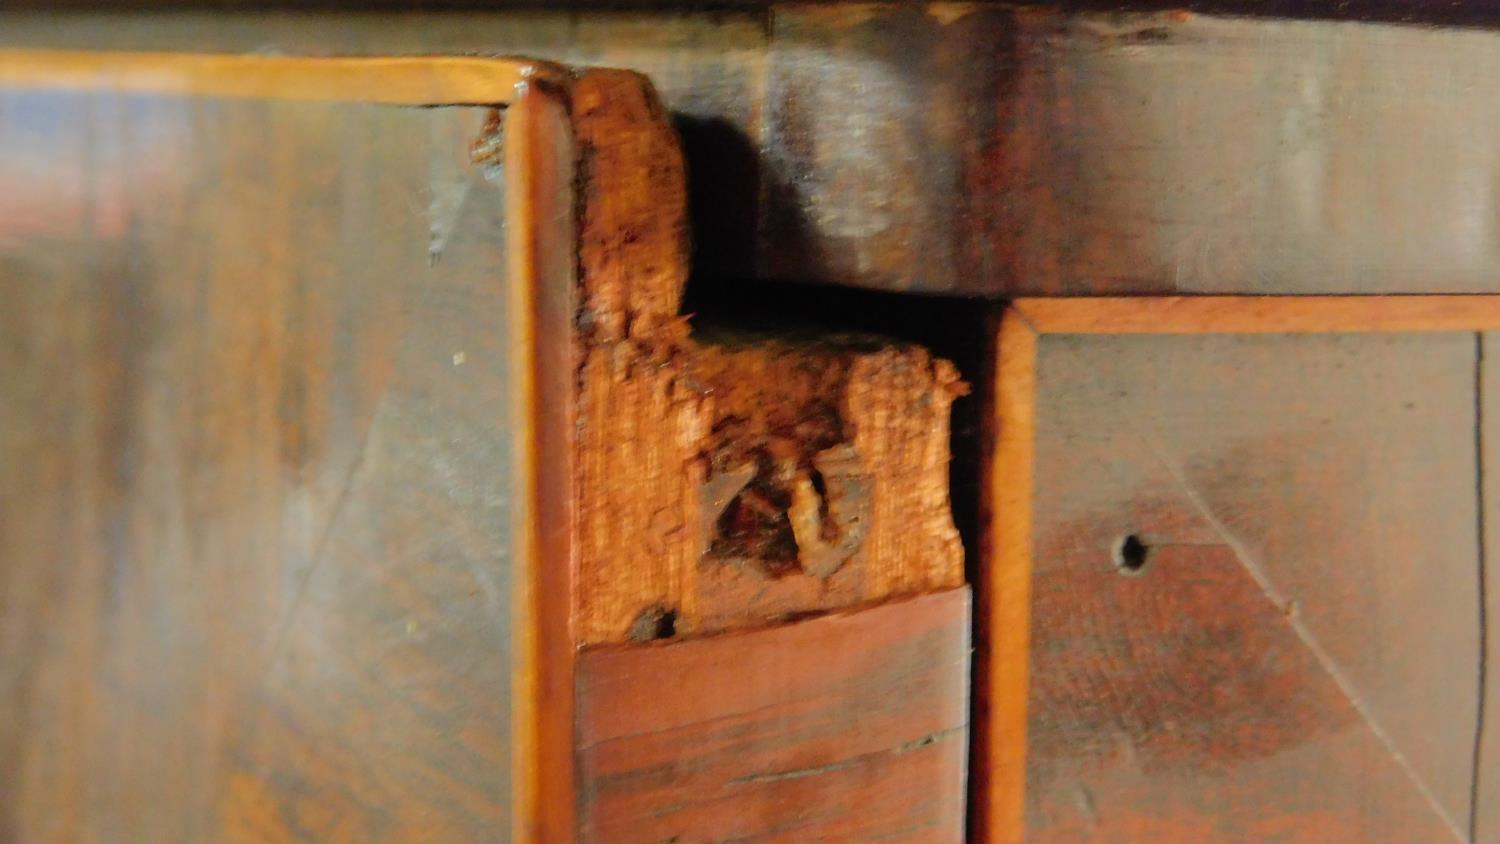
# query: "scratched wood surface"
[255,557]
[1297,659]
[845,727]
[1021,151]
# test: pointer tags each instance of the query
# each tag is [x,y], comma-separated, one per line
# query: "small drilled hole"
[652,623]
[1131,554]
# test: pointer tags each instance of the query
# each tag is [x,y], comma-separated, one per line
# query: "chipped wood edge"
[540,159]
[1005,599]
[387,80]
[1261,314]
[633,257]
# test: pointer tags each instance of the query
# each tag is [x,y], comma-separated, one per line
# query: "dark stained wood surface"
[845,727]
[1032,152]
[983,150]
[1297,660]
[255,555]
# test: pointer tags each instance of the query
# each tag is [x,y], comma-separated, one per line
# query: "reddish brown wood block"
[845,727]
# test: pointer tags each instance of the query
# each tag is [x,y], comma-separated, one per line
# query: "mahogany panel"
[383,708]
[1296,656]
[845,727]
[256,550]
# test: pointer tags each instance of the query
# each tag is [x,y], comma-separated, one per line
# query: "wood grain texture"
[749,478]
[1260,314]
[1300,498]
[183,416]
[1022,152]
[668,420]
[393,80]
[832,454]
[709,69]
[846,727]
[633,240]
[384,709]
[636,484]
[1036,152]
[282,531]
[639,485]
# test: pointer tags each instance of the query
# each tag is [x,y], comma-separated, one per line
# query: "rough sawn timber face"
[683,438]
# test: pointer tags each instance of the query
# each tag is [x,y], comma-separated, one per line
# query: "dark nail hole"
[1131,554]
[653,622]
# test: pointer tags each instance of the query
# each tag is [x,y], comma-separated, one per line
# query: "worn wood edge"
[389,80]
[540,164]
[634,248]
[635,406]
[1261,314]
[1004,618]
[648,401]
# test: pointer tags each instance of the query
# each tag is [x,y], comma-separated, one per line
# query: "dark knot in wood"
[783,514]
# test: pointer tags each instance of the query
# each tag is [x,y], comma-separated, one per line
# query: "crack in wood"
[855,761]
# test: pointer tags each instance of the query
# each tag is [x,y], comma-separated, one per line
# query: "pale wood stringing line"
[1261,314]
[526,680]
[388,80]
[1007,598]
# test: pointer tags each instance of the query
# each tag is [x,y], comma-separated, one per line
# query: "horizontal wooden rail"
[1261,314]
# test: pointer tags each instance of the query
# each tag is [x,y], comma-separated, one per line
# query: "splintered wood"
[827,476]
[732,480]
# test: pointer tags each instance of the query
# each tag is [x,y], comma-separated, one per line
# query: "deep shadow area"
[724,177]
